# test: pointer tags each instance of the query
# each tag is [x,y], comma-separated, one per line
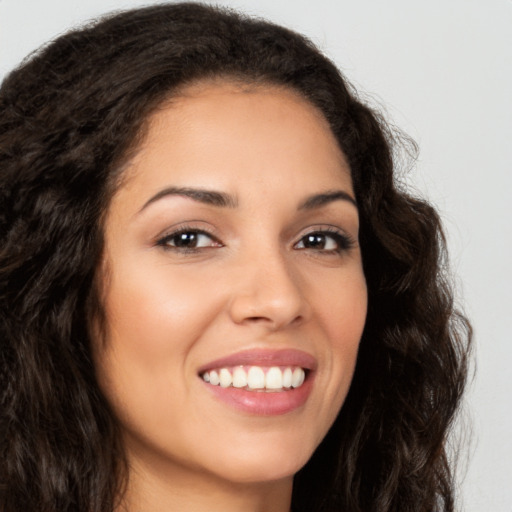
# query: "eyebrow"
[224,200]
[210,197]
[319,200]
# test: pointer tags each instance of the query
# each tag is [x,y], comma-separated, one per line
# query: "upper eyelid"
[184,228]
[324,228]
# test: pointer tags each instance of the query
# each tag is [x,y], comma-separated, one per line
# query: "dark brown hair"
[69,116]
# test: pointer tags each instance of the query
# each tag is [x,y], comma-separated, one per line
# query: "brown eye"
[185,240]
[318,241]
[188,239]
[324,241]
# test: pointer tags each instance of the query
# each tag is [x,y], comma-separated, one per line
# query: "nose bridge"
[268,289]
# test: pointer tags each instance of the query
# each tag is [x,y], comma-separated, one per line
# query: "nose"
[268,291]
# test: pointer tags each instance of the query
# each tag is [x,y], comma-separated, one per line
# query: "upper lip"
[268,357]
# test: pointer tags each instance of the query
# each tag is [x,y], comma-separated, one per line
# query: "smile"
[257,378]
[261,382]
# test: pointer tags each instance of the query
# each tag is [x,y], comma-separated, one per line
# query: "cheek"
[342,306]
[343,319]
[153,324]
[154,314]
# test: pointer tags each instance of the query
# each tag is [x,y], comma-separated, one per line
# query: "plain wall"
[443,71]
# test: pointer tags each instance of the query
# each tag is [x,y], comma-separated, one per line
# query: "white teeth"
[297,377]
[274,378]
[256,377]
[225,378]
[287,378]
[214,378]
[239,378]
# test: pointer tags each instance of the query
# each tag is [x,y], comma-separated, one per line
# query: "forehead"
[234,129]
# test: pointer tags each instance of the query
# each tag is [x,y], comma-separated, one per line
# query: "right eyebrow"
[210,197]
[319,200]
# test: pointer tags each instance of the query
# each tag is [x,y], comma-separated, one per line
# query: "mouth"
[257,378]
[270,382]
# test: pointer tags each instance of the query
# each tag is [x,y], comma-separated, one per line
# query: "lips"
[261,382]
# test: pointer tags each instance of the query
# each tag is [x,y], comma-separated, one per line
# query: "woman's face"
[231,257]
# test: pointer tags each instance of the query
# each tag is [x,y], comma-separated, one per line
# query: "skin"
[252,284]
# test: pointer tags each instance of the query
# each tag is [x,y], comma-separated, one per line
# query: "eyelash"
[164,242]
[343,241]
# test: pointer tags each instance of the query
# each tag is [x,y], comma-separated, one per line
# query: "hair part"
[71,116]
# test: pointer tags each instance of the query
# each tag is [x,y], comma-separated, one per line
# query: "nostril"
[272,320]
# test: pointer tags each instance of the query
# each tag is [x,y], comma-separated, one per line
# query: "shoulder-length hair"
[69,117]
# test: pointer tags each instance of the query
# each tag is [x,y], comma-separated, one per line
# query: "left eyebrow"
[319,200]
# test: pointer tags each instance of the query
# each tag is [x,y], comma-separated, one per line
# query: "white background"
[443,70]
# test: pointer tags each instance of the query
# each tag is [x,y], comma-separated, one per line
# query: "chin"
[264,461]
[262,470]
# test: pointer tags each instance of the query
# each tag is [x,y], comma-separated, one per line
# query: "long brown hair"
[69,116]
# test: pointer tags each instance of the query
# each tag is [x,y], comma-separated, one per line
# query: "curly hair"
[70,116]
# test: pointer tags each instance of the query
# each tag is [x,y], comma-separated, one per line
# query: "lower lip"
[263,403]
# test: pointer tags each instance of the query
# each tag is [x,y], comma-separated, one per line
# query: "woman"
[213,292]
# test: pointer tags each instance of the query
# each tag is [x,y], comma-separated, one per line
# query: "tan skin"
[188,282]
